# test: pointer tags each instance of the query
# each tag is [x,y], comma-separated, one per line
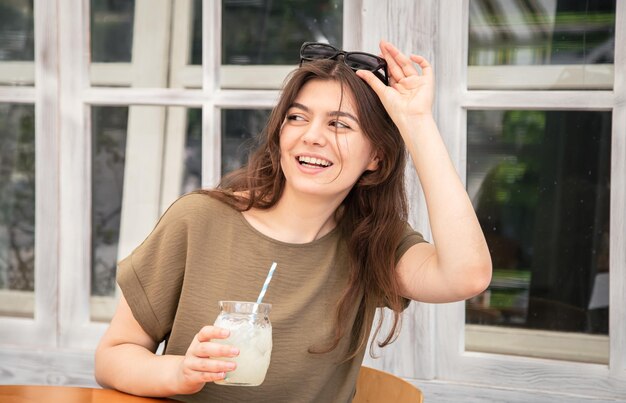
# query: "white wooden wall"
[56,347]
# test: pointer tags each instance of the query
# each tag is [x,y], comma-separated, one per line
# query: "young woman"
[323,196]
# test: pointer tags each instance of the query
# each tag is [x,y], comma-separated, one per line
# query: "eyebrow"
[333,113]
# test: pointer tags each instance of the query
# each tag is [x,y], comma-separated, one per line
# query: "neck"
[296,218]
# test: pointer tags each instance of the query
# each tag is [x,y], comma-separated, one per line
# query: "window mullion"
[46,171]
[554,100]
[211,45]
[450,67]
[352,24]
[17,95]
[617,258]
[211,64]
[75,175]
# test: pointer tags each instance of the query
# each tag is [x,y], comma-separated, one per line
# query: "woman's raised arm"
[458,265]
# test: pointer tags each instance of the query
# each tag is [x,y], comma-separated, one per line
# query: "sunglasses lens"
[355,60]
[318,51]
[362,61]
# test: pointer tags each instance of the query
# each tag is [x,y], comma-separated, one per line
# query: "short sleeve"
[409,238]
[151,277]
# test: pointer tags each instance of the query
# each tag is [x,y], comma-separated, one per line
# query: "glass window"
[17,206]
[111,30]
[109,154]
[145,44]
[17,42]
[196,44]
[271,32]
[554,44]
[261,39]
[112,151]
[240,131]
[540,184]
[192,173]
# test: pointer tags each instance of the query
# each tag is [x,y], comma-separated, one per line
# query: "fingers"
[211,332]
[207,360]
[209,349]
[401,66]
[197,371]
[423,63]
[199,364]
[378,86]
[204,347]
[398,64]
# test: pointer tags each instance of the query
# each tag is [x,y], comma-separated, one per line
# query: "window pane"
[17,42]
[196,44]
[111,30]
[192,174]
[571,44]
[109,126]
[144,43]
[17,207]
[128,146]
[271,32]
[541,32]
[540,184]
[240,130]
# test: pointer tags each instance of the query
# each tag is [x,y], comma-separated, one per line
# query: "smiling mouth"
[313,162]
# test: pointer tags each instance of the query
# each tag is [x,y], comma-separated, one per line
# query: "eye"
[295,117]
[339,124]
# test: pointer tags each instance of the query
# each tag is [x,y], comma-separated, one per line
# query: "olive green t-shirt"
[203,251]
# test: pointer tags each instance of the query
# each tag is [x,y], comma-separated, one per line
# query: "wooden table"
[68,394]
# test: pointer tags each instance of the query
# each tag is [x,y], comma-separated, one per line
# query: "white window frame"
[508,371]
[56,346]
[40,329]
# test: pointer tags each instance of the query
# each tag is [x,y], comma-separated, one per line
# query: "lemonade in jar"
[251,332]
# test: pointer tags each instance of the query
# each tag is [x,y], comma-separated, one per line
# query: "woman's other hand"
[126,359]
[202,363]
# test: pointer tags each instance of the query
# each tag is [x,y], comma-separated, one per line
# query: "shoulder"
[192,204]
[194,210]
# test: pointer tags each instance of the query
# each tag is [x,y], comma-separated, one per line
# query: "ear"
[373,165]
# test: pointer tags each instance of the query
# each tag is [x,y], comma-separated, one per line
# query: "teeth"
[314,161]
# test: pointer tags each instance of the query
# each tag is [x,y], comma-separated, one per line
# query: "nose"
[315,134]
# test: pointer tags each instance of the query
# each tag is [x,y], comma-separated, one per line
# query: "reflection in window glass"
[17,30]
[17,198]
[540,184]
[271,32]
[110,134]
[196,41]
[111,30]
[145,44]
[240,131]
[192,173]
[519,32]
[109,152]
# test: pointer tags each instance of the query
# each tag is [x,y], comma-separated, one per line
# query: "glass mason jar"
[251,332]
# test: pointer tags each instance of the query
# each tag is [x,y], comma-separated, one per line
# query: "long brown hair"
[372,215]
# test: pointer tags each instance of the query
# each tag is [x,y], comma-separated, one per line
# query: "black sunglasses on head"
[355,60]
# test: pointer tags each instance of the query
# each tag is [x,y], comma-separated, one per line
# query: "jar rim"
[245,307]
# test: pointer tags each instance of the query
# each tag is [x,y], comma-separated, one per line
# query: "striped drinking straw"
[267,282]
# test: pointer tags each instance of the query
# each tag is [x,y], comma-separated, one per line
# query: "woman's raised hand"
[201,363]
[410,94]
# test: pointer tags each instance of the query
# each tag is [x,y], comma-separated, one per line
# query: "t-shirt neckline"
[258,233]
